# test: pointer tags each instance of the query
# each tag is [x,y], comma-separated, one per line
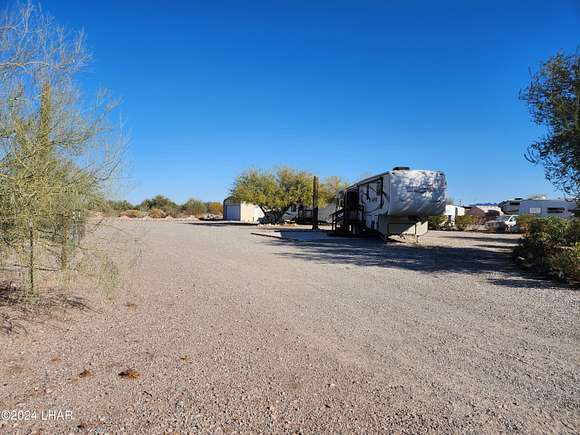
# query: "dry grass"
[130,374]
[16,311]
[86,373]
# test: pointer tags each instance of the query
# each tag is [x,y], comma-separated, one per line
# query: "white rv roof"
[369,179]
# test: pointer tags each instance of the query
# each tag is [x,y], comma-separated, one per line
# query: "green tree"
[553,99]
[274,191]
[329,189]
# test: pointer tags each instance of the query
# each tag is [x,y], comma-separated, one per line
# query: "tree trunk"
[31,258]
[64,245]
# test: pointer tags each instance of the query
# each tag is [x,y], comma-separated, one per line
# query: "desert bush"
[462,222]
[119,206]
[156,213]
[437,222]
[523,222]
[551,246]
[133,214]
[215,208]
[566,263]
[111,208]
[194,207]
[167,206]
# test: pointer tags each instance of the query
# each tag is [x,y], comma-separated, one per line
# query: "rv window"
[556,209]
[535,210]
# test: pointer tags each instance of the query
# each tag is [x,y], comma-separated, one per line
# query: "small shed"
[241,211]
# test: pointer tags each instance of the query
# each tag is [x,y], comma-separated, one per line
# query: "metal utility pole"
[315,203]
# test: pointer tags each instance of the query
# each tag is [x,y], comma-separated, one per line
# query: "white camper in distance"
[564,208]
[397,202]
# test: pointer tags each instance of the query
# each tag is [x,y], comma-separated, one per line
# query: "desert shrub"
[566,263]
[119,205]
[437,222]
[462,222]
[113,208]
[215,208]
[167,206]
[524,221]
[156,213]
[551,246]
[133,214]
[194,207]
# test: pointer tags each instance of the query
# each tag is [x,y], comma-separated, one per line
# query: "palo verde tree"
[57,153]
[274,191]
[553,99]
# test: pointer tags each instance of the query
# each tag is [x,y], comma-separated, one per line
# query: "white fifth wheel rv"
[397,202]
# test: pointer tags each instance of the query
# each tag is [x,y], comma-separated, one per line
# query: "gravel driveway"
[229,332]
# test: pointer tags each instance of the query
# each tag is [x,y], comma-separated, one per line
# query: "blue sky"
[345,88]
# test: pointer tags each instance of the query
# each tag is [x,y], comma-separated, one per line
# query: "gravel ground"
[232,332]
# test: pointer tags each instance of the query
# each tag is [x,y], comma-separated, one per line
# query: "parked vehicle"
[391,203]
[505,223]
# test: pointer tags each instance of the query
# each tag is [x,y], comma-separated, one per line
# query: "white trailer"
[397,202]
[564,208]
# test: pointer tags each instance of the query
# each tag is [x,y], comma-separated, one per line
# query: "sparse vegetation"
[156,213]
[57,155]
[462,223]
[551,246]
[162,203]
[437,222]
[160,206]
[523,222]
[194,207]
[133,214]
[215,208]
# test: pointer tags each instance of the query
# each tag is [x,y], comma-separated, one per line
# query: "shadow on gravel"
[15,312]
[419,258]
[527,281]
[498,247]
[486,238]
